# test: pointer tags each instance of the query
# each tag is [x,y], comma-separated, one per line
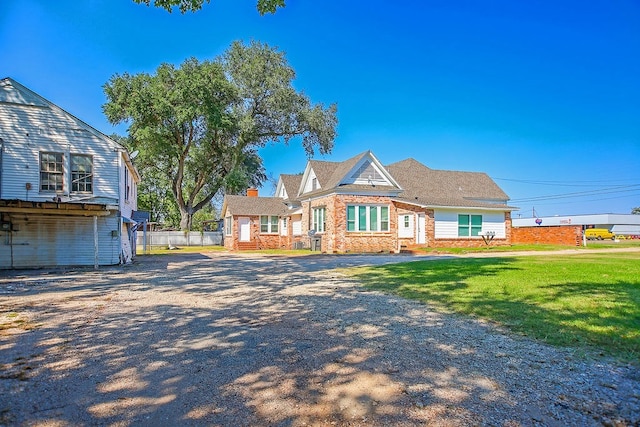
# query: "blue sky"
[543,96]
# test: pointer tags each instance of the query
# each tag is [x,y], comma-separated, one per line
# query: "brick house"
[359,205]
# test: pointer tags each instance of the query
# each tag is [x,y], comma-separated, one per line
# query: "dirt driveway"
[245,340]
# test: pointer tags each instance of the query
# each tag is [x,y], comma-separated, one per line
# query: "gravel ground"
[245,340]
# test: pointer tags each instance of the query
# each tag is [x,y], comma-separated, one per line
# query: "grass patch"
[589,301]
[490,249]
[591,244]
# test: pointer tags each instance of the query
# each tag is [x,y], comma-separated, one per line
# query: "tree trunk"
[186,219]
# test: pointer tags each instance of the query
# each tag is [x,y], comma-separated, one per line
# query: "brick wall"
[336,239]
[258,240]
[551,235]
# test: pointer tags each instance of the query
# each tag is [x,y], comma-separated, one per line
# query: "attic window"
[367,172]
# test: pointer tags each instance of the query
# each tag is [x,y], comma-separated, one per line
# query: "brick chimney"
[252,192]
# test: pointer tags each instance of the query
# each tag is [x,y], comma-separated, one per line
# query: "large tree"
[263,6]
[200,126]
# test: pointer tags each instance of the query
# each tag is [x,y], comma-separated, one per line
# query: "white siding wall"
[446,222]
[308,186]
[48,241]
[29,130]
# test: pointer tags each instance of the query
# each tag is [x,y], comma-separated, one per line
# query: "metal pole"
[95,242]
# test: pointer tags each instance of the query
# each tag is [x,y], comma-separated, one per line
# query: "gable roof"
[430,187]
[244,205]
[334,175]
[291,184]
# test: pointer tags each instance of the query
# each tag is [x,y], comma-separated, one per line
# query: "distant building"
[568,229]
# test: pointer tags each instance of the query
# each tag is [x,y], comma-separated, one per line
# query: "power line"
[566,183]
[568,202]
[610,190]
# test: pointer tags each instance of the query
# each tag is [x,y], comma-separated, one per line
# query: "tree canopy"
[263,6]
[636,211]
[198,127]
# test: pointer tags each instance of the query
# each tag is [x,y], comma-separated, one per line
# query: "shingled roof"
[291,185]
[243,205]
[432,187]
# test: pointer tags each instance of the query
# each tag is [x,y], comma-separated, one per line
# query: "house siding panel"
[50,241]
[446,226]
[446,229]
[21,165]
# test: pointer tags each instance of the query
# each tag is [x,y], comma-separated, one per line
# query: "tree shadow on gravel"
[192,340]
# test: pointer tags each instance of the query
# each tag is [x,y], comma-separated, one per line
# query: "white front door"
[244,229]
[420,230]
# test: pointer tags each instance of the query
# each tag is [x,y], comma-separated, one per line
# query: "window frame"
[319,219]
[269,224]
[77,180]
[45,172]
[367,218]
[469,225]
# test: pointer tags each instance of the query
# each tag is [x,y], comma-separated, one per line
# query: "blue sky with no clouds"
[542,96]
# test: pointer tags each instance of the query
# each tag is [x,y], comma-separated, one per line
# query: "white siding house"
[67,191]
[447,224]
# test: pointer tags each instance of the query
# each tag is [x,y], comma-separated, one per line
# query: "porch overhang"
[53,208]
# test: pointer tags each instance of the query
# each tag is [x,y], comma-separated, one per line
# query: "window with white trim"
[319,215]
[469,225]
[81,173]
[51,171]
[367,218]
[268,224]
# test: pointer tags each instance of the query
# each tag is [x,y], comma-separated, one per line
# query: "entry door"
[244,227]
[420,230]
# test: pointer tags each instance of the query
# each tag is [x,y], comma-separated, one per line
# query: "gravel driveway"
[245,340]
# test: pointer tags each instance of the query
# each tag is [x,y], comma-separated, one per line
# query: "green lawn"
[586,301]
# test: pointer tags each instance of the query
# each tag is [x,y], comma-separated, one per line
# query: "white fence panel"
[178,238]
